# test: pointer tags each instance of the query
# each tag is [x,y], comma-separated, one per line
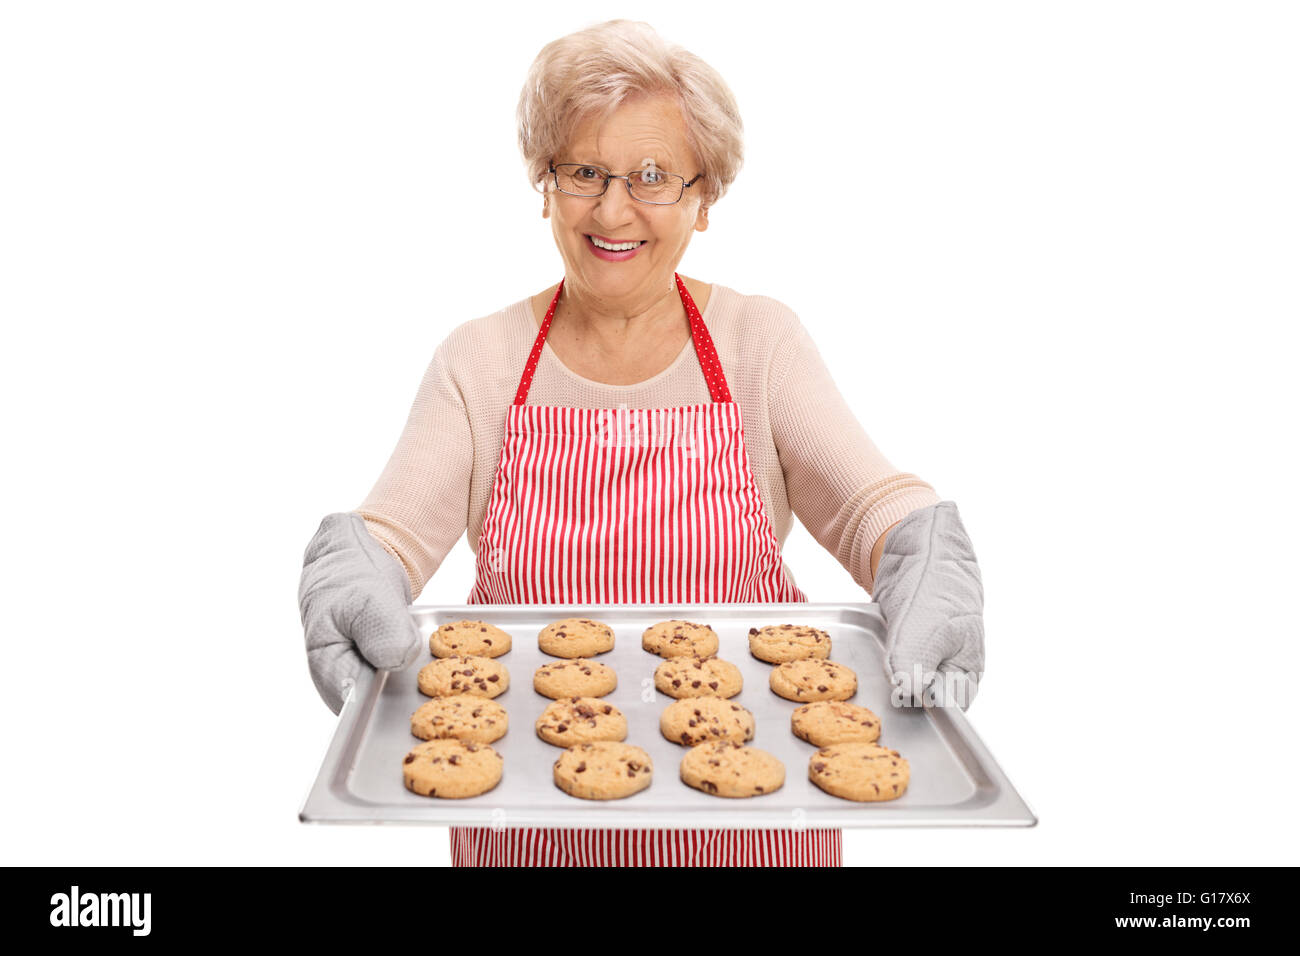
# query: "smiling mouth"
[611,246]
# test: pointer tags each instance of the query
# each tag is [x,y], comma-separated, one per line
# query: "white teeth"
[614,246]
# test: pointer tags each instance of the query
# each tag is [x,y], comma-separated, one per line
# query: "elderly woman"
[631,142]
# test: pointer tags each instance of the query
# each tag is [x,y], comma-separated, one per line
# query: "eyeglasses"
[650,185]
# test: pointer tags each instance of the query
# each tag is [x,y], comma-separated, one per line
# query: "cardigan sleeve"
[840,485]
[418,508]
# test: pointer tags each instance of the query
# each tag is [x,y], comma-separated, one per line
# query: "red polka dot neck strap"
[708,355]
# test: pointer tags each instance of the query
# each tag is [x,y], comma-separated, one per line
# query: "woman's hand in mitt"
[928,587]
[355,599]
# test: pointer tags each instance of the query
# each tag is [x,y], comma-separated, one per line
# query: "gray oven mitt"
[354,597]
[928,587]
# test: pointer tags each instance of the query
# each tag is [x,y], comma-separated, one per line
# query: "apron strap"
[708,355]
[709,361]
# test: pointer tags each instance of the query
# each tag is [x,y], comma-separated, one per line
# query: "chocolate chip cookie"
[581,720]
[700,719]
[859,772]
[468,639]
[834,722]
[680,639]
[788,642]
[576,678]
[603,770]
[576,637]
[693,677]
[813,680]
[462,717]
[451,768]
[480,676]
[726,769]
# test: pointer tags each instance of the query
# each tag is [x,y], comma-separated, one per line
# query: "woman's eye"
[588,172]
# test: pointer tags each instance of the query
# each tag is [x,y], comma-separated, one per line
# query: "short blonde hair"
[593,71]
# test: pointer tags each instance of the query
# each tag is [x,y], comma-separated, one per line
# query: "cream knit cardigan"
[809,454]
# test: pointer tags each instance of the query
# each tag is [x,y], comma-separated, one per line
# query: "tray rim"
[997,802]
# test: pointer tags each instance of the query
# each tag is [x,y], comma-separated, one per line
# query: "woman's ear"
[702,219]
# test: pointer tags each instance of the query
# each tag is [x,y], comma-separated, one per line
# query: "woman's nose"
[617,205]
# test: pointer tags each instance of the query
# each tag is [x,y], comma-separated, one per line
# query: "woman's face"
[645,128]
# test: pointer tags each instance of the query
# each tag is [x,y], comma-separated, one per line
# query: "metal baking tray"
[954,779]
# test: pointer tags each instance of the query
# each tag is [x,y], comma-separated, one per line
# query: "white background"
[1049,251]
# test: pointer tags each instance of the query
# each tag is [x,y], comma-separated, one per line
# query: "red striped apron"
[631,506]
